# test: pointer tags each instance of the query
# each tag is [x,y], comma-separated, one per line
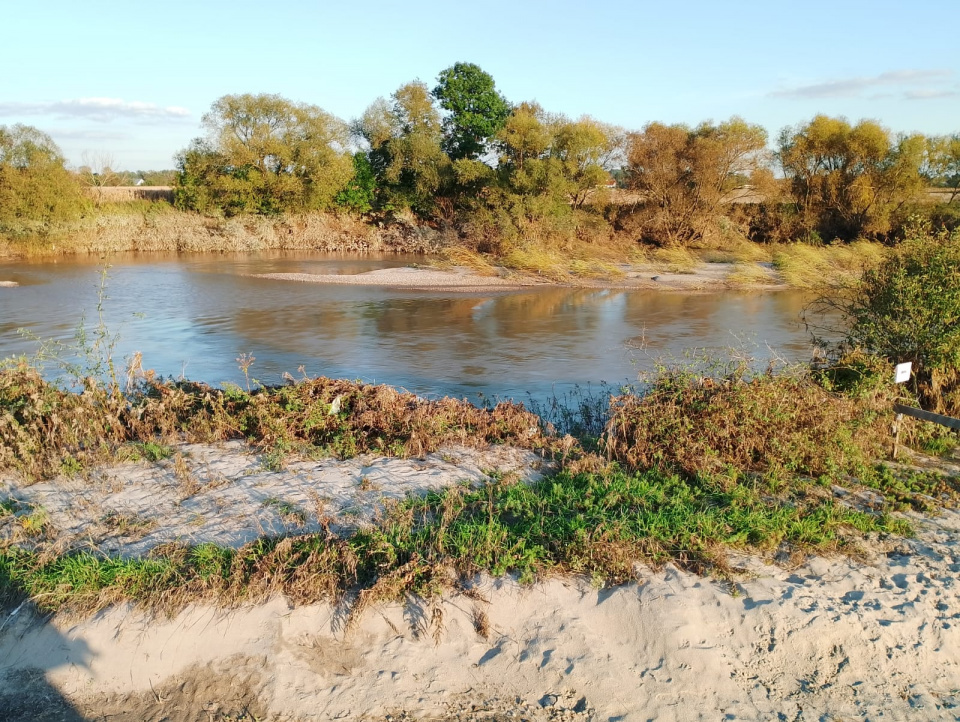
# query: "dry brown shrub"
[45,430]
[771,422]
[145,227]
[344,416]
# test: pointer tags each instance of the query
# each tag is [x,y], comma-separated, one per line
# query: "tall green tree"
[265,154]
[849,180]
[476,110]
[359,194]
[36,189]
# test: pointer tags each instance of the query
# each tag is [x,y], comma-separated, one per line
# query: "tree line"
[463,158]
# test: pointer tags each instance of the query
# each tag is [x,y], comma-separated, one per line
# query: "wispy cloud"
[908,84]
[930,94]
[99,109]
[105,135]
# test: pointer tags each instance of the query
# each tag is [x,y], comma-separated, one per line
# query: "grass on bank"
[796,265]
[694,468]
[595,524]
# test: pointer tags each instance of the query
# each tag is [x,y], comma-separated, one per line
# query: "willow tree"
[541,153]
[525,134]
[849,180]
[586,149]
[265,154]
[548,166]
[943,163]
[405,138]
[36,189]
[683,174]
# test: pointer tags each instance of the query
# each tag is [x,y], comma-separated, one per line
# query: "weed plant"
[581,411]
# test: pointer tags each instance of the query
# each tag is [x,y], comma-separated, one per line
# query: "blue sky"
[131,80]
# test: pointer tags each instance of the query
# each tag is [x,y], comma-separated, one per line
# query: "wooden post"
[896,434]
[948,421]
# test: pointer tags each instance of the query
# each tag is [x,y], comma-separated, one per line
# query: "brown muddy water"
[194,315]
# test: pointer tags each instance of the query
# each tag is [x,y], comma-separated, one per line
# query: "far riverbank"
[144,227]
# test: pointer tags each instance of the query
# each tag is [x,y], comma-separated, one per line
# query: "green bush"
[907,308]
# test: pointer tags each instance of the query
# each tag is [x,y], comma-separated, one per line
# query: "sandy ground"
[833,639]
[423,278]
[224,494]
[8,284]
[705,276]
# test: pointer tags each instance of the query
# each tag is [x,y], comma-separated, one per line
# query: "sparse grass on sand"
[795,265]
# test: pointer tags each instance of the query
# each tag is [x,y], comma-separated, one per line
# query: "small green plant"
[150,451]
[88,360]
[940,445]
[70,466]
[244,362]
[9,507]
[232,392]
[367,485]
[35,523]
[289,513]
[275,458]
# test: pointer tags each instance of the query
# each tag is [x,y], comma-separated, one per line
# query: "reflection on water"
[194,315]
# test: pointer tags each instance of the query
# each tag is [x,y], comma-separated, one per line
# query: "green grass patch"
[151,451]
[594,524]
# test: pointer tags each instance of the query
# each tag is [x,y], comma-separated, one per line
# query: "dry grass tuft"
[749,274]
[804,266]
[674,259]
[464,257]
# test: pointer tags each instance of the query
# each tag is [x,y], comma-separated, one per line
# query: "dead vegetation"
[154,226]
[783,423]
[46,430]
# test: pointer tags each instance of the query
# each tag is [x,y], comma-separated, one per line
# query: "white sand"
[8,284]
[703,277]
[421,278]
[832,640]
[223,494]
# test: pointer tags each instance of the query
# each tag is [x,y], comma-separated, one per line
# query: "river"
[194,315]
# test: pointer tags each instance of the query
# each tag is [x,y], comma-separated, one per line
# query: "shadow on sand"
[30,647]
